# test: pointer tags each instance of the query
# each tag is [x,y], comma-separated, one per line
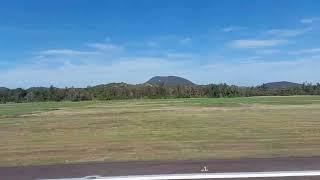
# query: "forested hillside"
[127,91]
[170,81]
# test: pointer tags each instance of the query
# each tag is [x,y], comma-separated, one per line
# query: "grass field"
[164,129]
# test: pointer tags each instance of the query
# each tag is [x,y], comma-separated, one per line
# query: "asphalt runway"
[164,167]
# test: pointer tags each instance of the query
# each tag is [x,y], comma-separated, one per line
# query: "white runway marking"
[212,175]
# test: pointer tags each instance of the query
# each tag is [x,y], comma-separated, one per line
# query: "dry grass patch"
[160,130]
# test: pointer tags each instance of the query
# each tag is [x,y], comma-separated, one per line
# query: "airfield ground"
[164,129]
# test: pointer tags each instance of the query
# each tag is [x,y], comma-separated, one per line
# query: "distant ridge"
[169,81]
[4,89]
[37,88]
[121,84]
[281,85]
[156,87]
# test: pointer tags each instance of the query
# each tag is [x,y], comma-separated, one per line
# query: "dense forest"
[126,91]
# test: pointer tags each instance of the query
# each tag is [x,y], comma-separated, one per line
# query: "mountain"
[4,89]
[281,85]
[37,88]
[122,84]
[170,81]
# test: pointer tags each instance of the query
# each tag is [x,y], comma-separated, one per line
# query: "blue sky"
[83,42]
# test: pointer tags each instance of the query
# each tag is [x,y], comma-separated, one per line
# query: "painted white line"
[211,175]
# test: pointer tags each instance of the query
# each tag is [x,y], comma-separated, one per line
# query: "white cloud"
[232,28]
[255,43]
[309,20]
[249,59]
[185,40]
[131,70]
[65,52]
[99,49]
[151,44]
[316,56]
[105,46]
[268,51]
[306,51]
[63,69]
[180,55]
[250,73]
[288,32]
[139,69]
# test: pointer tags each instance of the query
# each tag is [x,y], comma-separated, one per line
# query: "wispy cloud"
[268,51]
[180,55]
[139,69]
[288,32]
[257,43]
[130,70]
[317,56]
[250,73]
[185,40]
[105,46]
[98,49]
[96,63]
[66,52]
[306,51]
[309,20]
[151,44]
[232,28]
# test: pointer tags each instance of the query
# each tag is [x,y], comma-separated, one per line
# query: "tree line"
[126,91]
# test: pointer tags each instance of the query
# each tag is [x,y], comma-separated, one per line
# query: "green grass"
[271,100]
[15,109]
[160,129]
